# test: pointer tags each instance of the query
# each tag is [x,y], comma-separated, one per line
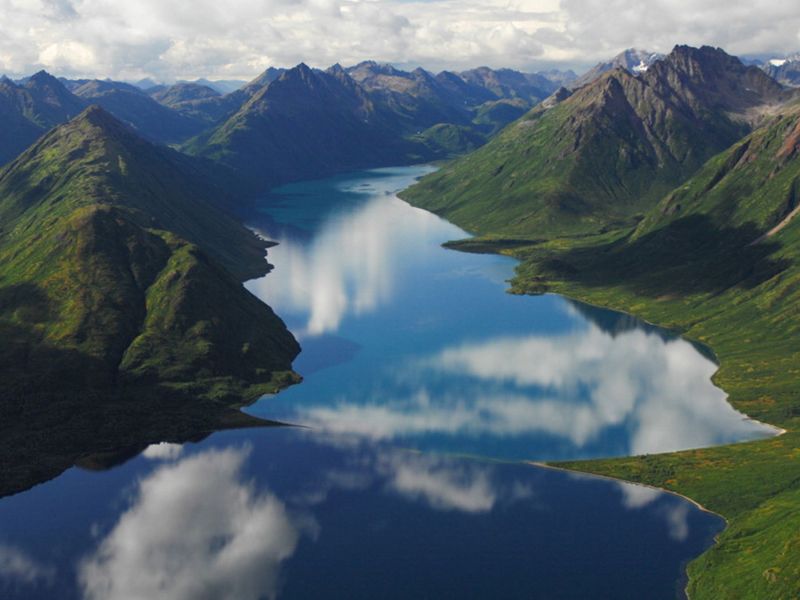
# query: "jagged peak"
[301,71]
[269,75]
[338,72]
[367,63]
[96,114]
[97,118]
[556,97]
[373,66]
[682,52]
[420,72]
[44,78]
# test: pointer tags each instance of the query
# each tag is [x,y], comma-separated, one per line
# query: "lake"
[427,388]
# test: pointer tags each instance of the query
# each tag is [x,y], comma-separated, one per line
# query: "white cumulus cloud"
[208,38]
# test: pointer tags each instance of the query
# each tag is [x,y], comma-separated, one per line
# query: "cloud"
[18,567]
[194,530]
[594,29]
[195,38]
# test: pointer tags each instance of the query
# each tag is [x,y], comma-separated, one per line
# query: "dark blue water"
[414,358]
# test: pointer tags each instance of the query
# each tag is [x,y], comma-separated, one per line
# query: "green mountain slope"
[604,155]
[116,270]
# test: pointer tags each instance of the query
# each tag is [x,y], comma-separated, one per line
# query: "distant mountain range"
[303,122]
[786,70]
[632,60]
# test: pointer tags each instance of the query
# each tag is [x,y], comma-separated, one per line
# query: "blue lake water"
[426,388]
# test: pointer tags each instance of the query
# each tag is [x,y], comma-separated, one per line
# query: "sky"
[237,39]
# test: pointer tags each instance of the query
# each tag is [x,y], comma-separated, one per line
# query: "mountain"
[197,102]
[559,78]
[715,257]
[130,104]
[259,83]
[306,123]
[632,60]
[117,272]
[47,102]
[222,86]
[450,97]
[146,83]
[784,70]
[415,97]
[302,122]
[602,156]
[755,184]
[30,109]
[507,83]
[180,93]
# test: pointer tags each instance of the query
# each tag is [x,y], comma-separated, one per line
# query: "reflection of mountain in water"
[48,433]
[614,323]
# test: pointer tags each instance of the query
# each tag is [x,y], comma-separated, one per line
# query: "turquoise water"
[426,387]
[406,342]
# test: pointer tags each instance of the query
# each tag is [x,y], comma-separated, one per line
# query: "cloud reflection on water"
[194,530]
[350,266]
[675,514]
[574,386]
[17,567]
[440,482]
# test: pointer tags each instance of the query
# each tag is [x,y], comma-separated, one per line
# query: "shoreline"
[555,467]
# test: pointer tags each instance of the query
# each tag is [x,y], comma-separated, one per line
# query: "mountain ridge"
[601,156]
[125,255]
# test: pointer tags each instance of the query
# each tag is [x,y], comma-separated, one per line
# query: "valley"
[139,317]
